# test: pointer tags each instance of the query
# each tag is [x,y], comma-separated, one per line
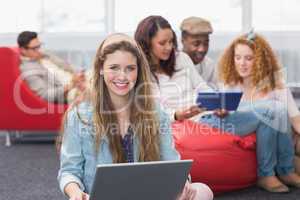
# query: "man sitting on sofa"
[49,76]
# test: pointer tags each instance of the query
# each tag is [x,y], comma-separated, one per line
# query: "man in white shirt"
[50,77]
[195,33]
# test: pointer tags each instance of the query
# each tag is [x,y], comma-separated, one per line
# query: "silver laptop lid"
[159,180]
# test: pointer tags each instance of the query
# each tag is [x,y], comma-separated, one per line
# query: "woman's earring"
[101,73]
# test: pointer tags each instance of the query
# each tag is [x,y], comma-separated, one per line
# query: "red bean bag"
[221,160]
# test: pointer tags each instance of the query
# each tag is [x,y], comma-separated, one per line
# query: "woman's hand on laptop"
[188,112]
[221,112]
[75,193]
[188,192]
[80,196]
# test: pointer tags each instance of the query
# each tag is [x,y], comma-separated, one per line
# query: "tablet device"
[159,180]
[219,100]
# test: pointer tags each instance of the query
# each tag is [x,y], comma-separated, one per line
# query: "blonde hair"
[266,72]
[143,119]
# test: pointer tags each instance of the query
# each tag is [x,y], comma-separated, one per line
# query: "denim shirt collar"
[86,113]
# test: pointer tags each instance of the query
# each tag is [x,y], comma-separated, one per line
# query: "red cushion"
[223,161]
[21,108]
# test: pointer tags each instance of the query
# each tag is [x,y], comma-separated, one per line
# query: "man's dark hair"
[25,37]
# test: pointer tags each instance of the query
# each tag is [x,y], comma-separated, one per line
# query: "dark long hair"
[145,32]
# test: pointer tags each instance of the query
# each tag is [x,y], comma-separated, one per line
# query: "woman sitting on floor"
[267,107]
[115,127]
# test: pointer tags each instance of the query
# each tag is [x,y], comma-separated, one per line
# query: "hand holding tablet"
[219,100]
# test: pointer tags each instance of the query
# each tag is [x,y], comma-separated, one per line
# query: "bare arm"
[188,112]
[73,191]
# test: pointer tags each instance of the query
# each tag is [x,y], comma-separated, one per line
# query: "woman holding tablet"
[178,82]
[121,124]
[174,72]
[267,107]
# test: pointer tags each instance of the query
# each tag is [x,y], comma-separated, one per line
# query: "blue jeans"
[274,145]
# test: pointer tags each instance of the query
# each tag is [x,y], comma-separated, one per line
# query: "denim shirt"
[78,159]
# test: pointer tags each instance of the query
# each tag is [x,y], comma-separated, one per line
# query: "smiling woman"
[117,129]
[120,74]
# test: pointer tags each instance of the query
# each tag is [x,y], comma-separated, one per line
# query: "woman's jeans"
[274,145]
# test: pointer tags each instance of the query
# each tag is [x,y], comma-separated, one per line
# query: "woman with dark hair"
[249,64]
[117,126]
[174,71]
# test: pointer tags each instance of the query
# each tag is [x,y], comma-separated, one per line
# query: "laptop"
[217,100]
[159,180]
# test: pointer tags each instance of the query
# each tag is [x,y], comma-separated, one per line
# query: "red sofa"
[221,160]
[21,108]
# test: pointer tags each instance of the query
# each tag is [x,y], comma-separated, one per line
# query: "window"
[224,15]
[74,16]
[89,15]
[52,16]
[16,16]
[276,15]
